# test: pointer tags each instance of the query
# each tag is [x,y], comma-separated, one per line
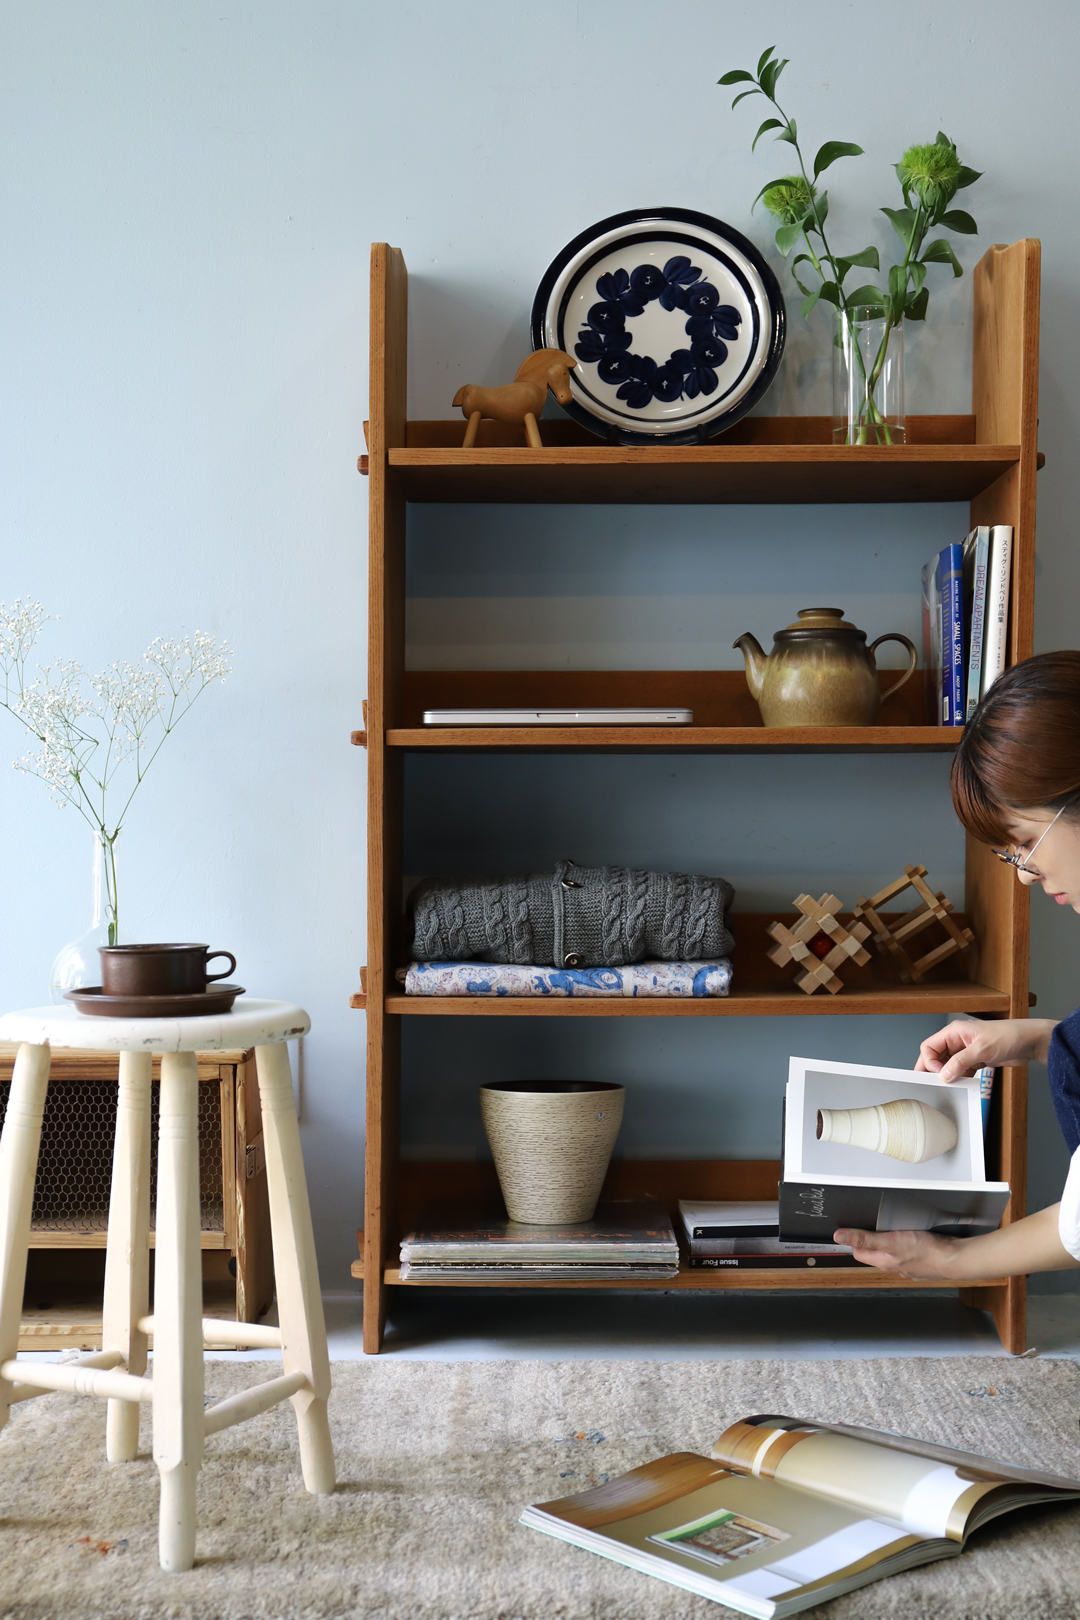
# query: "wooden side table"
[117,1373]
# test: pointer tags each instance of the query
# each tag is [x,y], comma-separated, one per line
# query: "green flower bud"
[789,200]
[931,172]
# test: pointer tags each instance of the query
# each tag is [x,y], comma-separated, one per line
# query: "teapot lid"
[822,618]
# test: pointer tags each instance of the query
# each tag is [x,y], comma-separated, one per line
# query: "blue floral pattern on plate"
[686,373]
[706,345]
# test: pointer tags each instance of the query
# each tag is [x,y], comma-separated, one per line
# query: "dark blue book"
[953,696]
[932,649]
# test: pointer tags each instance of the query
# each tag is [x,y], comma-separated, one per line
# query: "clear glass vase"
[868,377]
[78,964]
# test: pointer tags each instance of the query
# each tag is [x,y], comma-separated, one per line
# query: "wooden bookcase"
[65,1273]
[988,458]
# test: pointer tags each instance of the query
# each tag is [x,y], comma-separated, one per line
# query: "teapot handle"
[894,635]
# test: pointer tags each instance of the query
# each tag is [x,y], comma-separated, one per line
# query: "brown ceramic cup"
[159,970]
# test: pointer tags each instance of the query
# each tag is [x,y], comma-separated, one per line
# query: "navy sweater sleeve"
[1063,1063]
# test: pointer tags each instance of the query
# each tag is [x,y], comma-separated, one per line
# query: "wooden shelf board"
[726,716]
[96,1238]
[744,1002]
[446,433]
[766,474]
[77,1065]
[72,1318]
[829,1278]
[761,988]
[681,739]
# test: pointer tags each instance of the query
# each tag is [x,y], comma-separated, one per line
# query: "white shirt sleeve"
[1069,1213]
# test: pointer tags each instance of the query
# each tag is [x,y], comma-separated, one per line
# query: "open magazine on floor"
[787,1514]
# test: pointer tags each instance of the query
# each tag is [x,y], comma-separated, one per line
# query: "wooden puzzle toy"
[932,907]
[818,944]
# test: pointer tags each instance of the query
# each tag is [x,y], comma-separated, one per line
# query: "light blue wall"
[188,194]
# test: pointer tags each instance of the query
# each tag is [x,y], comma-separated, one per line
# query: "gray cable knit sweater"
[576,916]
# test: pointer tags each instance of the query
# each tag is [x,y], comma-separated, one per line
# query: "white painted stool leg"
[19,1147]
[127,1258]
[178,1355]
[300,1312]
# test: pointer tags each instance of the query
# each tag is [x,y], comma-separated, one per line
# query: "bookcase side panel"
[1005,336]
[1005,402]
[386,661]
[1005,389]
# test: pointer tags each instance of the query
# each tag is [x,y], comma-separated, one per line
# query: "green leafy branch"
[929,176]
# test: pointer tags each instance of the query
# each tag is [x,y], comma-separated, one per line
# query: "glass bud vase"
[78,964]
[868,377]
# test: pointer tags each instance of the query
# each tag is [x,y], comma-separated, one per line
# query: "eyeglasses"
[1021,861]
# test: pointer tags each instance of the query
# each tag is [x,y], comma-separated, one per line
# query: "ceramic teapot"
[820,672]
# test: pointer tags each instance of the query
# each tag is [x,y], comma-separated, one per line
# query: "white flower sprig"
[99,734]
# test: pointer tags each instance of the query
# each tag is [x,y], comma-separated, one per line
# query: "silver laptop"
[558,717]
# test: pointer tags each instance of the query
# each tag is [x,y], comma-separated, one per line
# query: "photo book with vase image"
[886,1150]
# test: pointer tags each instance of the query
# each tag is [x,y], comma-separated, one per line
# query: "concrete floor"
[465,1325]
[444,1324]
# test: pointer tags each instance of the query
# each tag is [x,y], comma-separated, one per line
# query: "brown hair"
[1021,748]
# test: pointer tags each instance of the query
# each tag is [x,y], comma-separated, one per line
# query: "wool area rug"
[437,1459]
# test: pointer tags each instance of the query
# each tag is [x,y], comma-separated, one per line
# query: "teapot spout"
[755,661]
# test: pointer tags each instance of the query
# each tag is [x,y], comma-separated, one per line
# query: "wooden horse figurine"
[522,400]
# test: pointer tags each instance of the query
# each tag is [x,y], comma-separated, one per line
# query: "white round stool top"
[251,1023]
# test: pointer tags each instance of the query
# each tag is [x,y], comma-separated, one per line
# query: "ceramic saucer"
[93,1002]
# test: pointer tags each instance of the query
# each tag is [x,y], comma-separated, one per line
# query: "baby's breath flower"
[931,172]
[789,199]
[19,627]
[98,734]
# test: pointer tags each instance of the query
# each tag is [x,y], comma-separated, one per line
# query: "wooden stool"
[117,1374]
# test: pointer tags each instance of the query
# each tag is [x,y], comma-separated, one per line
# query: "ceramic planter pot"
[551,1141]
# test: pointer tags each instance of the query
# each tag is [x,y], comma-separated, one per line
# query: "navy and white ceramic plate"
[675,320]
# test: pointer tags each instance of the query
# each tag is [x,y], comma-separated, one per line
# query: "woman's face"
[1055,865]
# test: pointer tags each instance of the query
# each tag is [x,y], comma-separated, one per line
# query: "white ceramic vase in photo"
[907,1129]
[551,1141]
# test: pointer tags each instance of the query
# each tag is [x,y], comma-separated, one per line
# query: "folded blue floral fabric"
[496,979]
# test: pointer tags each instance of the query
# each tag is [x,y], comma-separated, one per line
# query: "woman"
[1015,783]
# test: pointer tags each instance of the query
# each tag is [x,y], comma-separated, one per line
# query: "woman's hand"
[1032,1244]
[968,1044]
[909,1254]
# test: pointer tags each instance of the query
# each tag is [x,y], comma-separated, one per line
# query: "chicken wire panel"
[74,1173]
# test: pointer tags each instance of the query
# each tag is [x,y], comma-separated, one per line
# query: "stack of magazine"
[629,1238]
[965,590]
[725,1236]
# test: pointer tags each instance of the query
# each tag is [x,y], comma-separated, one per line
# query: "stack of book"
[729,1236]
[629,1238]
[966,621]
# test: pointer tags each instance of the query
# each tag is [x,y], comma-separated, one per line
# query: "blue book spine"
[985,1077]
[952,636]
